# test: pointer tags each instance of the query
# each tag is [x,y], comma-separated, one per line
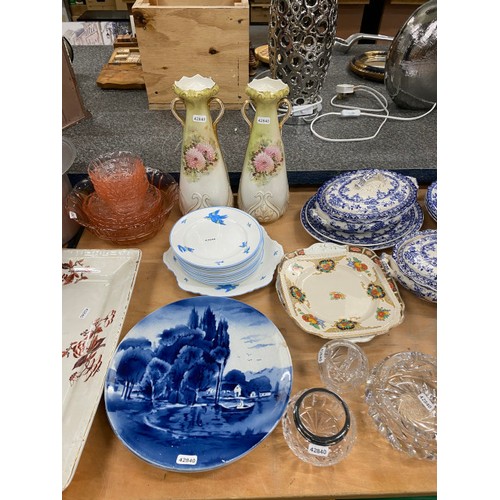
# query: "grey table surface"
[122,120]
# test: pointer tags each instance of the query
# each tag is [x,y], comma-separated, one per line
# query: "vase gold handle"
[243,112]
[221,111]
[174,112]
[288,111]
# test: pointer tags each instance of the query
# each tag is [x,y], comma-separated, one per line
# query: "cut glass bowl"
[401,394]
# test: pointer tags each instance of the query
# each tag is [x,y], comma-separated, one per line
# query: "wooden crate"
[209,37]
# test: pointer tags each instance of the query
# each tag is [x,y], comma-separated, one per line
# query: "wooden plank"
[123,70]
[212,40]
[121,77]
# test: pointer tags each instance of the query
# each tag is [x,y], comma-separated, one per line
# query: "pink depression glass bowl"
[125,228]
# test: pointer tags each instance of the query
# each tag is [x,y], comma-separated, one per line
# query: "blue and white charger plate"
[261,277]
[216,237]
[412,221]
[198,384]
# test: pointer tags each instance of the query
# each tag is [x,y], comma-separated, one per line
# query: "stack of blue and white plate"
[431,200]
[413,263]
[218,245]
[371,208]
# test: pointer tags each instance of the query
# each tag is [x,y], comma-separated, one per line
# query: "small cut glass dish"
[92,212]
[401,393]
[343,367]
[338,292]
[120,181]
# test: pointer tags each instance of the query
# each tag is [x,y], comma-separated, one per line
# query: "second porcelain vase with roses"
[263,190]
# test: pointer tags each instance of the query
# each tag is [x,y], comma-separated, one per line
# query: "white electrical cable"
[378,97]
[405,118]
[372,92]
[354,112]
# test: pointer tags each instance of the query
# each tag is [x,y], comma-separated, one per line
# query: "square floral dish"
[339,292]
[96,290]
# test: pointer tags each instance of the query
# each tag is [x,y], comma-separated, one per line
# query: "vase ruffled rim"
[267,88]
[197,85]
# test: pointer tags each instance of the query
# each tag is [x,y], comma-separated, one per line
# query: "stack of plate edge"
[216,273]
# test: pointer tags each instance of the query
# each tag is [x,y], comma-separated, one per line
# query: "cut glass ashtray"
[401,394]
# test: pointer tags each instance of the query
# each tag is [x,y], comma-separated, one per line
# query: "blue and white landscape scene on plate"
[198,383]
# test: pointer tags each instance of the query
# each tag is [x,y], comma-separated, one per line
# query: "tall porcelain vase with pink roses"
[263,191]
[203,180]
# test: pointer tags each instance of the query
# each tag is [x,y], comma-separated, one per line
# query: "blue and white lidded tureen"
[431,200]
[367,195]
[414,263]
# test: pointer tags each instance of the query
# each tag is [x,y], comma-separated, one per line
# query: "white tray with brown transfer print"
[96,290]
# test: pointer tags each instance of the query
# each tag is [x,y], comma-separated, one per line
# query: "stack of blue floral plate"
[371,208]
[218,245]
[431,200]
